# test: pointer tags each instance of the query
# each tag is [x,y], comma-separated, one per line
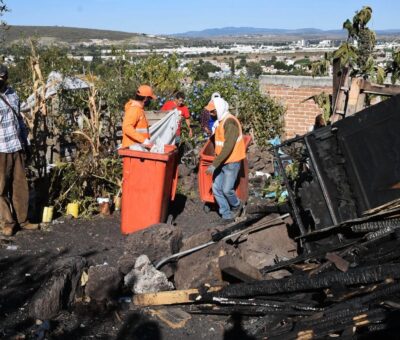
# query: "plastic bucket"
[47,214]
[73,209]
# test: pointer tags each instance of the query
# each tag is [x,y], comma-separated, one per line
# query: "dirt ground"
[26,260]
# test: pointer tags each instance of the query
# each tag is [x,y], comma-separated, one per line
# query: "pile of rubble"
[349,289]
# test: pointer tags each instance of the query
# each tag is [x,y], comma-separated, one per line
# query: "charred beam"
[381,293]
[315,255]
[324,328]
[362,275]
[375,225]
[248,310]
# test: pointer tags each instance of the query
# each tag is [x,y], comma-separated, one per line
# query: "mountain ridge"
[70,35]
[247,30]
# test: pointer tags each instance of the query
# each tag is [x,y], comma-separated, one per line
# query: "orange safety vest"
[141,127]
[239,151]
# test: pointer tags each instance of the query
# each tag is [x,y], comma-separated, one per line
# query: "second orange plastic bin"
[149,183]
[207,156]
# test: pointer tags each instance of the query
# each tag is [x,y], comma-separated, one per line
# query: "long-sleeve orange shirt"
[134,125]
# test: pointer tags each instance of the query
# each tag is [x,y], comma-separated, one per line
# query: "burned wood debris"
[345,205]
[320,297]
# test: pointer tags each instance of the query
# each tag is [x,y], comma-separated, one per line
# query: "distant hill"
[69,35]
[242,31]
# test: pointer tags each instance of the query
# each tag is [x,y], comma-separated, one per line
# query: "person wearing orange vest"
[230,150]
[135,128]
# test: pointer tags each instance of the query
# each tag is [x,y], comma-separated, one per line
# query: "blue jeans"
[223,188]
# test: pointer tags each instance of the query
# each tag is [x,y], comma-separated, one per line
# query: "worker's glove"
[210,170]
[147,144]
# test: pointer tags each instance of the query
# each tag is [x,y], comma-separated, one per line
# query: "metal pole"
[292,198]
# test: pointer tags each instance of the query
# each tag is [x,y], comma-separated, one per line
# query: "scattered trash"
[84,278]
[262,174]
[104,205]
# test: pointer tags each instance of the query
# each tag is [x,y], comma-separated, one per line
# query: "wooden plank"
[339,100]
[386,90]
[173,297]
[356,84]
[361,102]
[239,269]
[337,73]
[175,318]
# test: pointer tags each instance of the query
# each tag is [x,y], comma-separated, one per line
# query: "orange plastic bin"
[148,184]
[207,156]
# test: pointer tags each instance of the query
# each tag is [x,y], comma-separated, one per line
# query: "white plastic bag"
[158,146]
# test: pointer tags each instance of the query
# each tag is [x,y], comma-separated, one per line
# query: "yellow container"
[47,214]
[73,209]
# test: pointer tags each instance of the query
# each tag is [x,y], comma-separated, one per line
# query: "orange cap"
[210,106]
[145,91]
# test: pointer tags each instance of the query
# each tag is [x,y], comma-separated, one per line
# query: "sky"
[177,16]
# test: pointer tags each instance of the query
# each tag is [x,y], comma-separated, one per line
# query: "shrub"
[260,115]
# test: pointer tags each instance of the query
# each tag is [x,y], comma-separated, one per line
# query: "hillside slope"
[70,35]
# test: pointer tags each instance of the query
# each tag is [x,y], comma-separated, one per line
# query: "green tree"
[357,51]
[321,67]
[232,66]
[393,68]
[3,10]
[52,58]
[359,32]
[203,68]
[254,69]
[280,65]
[242,62]
[261,116]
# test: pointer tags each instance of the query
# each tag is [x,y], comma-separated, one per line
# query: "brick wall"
[291,91]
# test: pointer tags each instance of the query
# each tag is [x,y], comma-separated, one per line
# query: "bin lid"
[170,150]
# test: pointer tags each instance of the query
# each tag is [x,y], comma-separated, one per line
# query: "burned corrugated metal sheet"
[353,165]
[370,142]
